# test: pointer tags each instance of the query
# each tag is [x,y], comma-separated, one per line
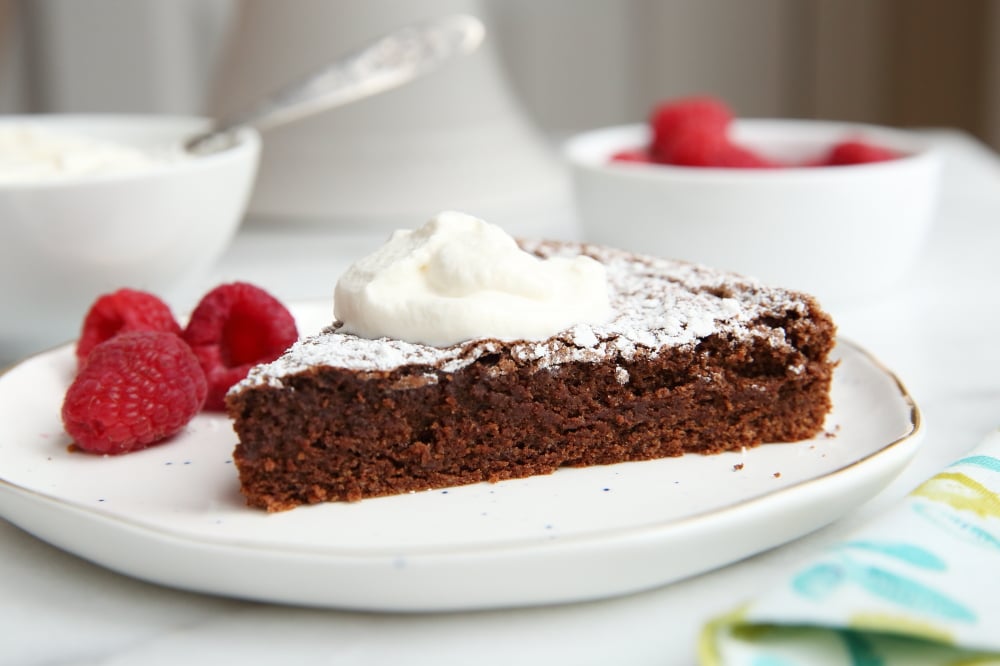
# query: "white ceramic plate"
[173,515]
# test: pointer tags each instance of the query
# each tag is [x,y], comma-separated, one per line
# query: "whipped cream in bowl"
[30,152]
[459,278]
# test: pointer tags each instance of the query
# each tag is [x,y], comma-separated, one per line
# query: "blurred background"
[573,64]
[479,135]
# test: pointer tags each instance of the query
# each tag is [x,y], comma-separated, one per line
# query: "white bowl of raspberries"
[839,210]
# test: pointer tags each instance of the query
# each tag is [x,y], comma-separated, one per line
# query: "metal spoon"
[390,61]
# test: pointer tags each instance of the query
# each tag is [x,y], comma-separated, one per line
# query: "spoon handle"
[388,62]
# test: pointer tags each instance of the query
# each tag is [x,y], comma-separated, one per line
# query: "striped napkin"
[918,587]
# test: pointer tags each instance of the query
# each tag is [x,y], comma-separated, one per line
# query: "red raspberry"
[632,155]
[121,311]
[137,389]
[671,118]
[693,131]
[740,157]
[697,146]
[233,328]
[858,152]
[674,120]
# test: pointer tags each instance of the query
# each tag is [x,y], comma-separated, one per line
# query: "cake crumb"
[777,475]
[737,467]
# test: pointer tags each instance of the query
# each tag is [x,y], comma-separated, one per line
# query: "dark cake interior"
[693,361]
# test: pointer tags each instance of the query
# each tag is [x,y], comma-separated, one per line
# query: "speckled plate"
[173,514]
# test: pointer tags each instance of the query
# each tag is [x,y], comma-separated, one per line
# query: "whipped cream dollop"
[459,278]
[32,153]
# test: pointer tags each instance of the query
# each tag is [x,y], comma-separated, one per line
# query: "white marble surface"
[938,332]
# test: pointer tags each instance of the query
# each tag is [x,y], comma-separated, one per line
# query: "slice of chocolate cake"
[691,360]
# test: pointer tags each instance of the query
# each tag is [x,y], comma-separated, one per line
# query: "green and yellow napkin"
[918,587]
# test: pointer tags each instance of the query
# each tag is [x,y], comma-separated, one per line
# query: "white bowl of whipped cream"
[92,203]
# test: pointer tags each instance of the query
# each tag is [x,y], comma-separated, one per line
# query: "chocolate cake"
[693,360]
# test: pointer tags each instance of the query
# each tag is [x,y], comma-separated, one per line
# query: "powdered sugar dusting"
[657,303]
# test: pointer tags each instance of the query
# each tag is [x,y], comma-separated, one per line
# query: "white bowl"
[65,240]
[845,234]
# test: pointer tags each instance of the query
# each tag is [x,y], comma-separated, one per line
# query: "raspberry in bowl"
[765,197]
